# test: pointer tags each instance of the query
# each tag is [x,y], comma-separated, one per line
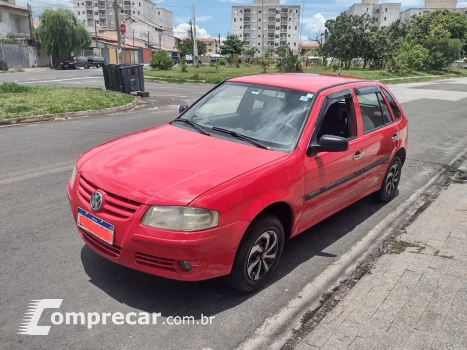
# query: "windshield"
[274,116]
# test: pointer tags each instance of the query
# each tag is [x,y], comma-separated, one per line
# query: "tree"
[61,33]
[346,37]
[186,47]
[441,24]
[287,62]
[161,60]
[410,57]
[442,52]
[232,45]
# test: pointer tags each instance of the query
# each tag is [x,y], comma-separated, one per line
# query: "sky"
[213,17]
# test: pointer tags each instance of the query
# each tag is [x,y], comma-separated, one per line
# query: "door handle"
[358,155]
[395,137]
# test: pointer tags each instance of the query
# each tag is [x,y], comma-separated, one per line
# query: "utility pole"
[160,39]
[95,32]
[117,24]
[148,40]
[195,44]
[133,38]
[301,22]
[219,50]
[31,27]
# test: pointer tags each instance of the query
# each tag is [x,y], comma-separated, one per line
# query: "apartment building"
[141,17]
[384,14]
[431,6]
[212,45]
[267,25]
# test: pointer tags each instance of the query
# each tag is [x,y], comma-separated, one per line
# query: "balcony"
[246,31]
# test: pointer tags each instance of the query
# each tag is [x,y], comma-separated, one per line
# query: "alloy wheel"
[262,255]
[392,179]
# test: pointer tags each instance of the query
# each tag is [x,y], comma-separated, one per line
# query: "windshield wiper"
[241,137]
[192,124]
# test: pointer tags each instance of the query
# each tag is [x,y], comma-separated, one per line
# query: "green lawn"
[24,100]
[207,74]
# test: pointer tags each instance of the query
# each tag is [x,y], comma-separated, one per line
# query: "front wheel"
[390,183]
[258,254]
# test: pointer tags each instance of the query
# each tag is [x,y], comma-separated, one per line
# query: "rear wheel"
[98,65]
[86,66]
[390,183]
[258,254]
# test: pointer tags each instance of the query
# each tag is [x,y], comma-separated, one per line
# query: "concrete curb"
[276,329]
[58,116]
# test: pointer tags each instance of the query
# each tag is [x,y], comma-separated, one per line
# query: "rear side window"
[395,108]
[375,112]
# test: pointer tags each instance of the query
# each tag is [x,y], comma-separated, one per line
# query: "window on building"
[159,13]
[259,44]
[235,20]
[290,27]
[259,28]
[241,11]
[133,3]
[259,11]
[294,44]
[386,9]
[1,15]
[133,12]
[259,36]
[296,27]
[296,11]
[290,19]
[78,4]
[96,13]
[259,20]
[289,35]
[277,36]
[139,4]
[278,19]
[384,18]
[239,35]
[111,22]
[241,27]
[241,19]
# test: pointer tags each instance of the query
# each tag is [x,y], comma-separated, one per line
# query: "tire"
[98,66]
[86,66]
[391,181]
[249,273]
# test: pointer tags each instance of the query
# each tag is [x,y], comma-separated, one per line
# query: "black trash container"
[132,77]
[124,78]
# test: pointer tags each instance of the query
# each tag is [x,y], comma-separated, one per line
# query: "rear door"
[331,179]
[380,133]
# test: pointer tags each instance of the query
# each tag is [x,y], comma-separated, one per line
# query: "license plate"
[66,65]
[99,228]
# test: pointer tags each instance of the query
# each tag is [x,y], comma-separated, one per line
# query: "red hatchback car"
[257,160]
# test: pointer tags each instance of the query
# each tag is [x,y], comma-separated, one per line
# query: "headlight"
[180,218]
[73,175]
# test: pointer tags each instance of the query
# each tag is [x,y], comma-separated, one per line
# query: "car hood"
[169,165]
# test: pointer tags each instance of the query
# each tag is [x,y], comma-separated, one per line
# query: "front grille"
[113,205]
[155,262]
[105,249]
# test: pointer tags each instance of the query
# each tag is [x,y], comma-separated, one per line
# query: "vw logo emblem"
[96,201]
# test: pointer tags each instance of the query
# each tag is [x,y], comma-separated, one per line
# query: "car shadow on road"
[154,294]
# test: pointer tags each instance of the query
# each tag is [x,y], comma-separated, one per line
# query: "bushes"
[183,68]
[288,62]
[222,62]
[161,60]
[3,65]
[14,88]
[409,58]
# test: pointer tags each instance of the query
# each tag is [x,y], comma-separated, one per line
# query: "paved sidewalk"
[413,300]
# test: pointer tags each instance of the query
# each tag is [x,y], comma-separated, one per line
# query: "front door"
[331,178]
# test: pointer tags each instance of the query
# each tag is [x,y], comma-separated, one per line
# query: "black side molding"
[345,179]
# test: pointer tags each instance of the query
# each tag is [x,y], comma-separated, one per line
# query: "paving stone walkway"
[413,300]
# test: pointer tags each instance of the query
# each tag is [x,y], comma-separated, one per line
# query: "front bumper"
[211,252]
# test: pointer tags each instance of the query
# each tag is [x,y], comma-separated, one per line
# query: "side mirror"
[182,108]
[329,143]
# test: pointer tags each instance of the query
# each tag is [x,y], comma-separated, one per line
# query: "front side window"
[274,116]
[339,118]
[375,112]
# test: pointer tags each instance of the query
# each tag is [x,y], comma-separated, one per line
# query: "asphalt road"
[43,257]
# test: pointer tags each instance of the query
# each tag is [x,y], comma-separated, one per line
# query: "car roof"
[298,81]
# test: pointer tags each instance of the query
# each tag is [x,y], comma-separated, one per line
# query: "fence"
[15,55]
